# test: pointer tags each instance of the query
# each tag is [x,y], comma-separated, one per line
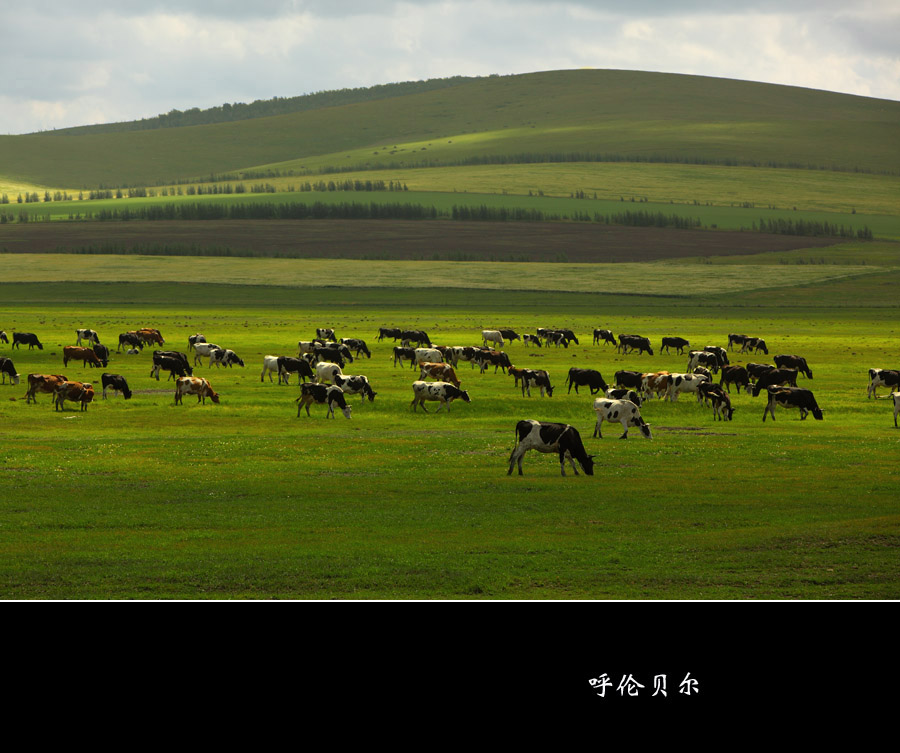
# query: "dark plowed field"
[395,239]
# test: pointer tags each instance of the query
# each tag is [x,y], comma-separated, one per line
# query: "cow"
[495,358]
[889,378]
[793,362]
[679,343]
[540,379]
[80,392]
[736,375]
[721,403]
[333,352]
[149,335]
[3,337]
[896,398]
[355,385]
[755,344]
[191,385]
[409,336]
[85,355]
[26,338]
[270,366]
[442,392]
[467,353]
[532,339]
[624,394]
[194,339]
[131,339]
[204,350]
[287,366]
[307,346]
[325,333]
[720,353]
[7,368]
[557,338]
[223,356]
[655,382]
[619,412]
[632,380]
[175,366]
[102,352]
[590,378]
[354,343]
[516,373]
[792,397]
[118,384]
[510,334]
[629,343]
[492,336]
[430,355]
[392,332]
[42,383]
[756,370]
[702,370]
[605,336]
[562,439]
[704,358]
[322,394]
[86,334]
[775,377]
[325,372]
[679,383]
[736,340]
[441,372]
[401,354]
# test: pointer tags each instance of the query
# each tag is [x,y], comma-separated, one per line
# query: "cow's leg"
[597,432]
[562,462]
[624,423]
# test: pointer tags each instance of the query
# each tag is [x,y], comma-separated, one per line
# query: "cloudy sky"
[70,63]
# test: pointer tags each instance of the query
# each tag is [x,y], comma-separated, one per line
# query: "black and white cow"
[285,365]
[679,343]
[562,439]
[619,412]
[204,350]
[26,338]
[418,336]
[713,394]
[8,369]
[794,362]
[404,354]
[792,397]
[624,394]
[755,344]
[86,334]
[102,352]
[322,394]
[175,363]
[355,385]
[325,333]
[629,343]
[194,339]
[442,392]
[590,378]
[720,353]
[3,337]
[889,378]
[531,339]
[117,383]
[557,338]
[775,377]
[496,358]
[392,332]
[679,383]
[131,340]
[357,345]
[737,340]
[510,334]
[326,372]
[225,357]
[896,398]
[632,380]
[538,378]
[605,336]
[703,358]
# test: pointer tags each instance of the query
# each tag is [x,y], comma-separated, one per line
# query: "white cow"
[306,346]
[204,350]
[429,355]
[270,365]
[679,383]
[622,412]
[326,371]
[896,397]
[87,334]
[492,336]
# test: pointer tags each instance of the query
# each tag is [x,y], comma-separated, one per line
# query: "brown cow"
[151,336]
[42,383]
[194,386]
[441,372]
[657,382]
[82,392]
[85,355]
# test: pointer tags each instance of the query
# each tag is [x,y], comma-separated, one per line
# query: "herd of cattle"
[322,360]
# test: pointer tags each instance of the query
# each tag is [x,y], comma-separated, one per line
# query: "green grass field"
[144,499]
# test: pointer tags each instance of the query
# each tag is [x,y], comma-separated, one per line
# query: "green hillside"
[560,116]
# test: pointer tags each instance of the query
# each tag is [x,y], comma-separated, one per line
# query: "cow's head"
[587,465]
[214,396]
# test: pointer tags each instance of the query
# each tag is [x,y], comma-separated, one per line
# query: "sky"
[70,63]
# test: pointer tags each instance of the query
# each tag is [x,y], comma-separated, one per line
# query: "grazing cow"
[79,392]
[736,340]
[401,354]
[532,339]
[624,394]
[102,352]
[270,366]
[509,334]
[118,384]
[223,356]
[130,339]
[516,373]
[409,336]
[431,355]
[307,346]
[194,339]
[175,366]
[539,378]
[619,412]
[792,397]
[26,338]
[882,378]
[203,350]
[549,437]
[896,397]
[679,383]
[775,377]
[756,370]
[354,343]
[755,344]
[632,380]
[42,383]
[655,383]
[704,358]
[85,355]
[7,368]
[629,343]
[736,375]
[720,353]
[492,336]
[86,334]
[679,343]
[322,395]
[355,385]
[392,332]
[333,352]
[325,372]
[590,378]
[721,403]
[605,336]
[287,366]
[557,338]
[149,335]
[3,337]
[702,370]
[468,353]
[441,372]
[325,333]
[794,362]
[443,392]
[496,358]
[198,386]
